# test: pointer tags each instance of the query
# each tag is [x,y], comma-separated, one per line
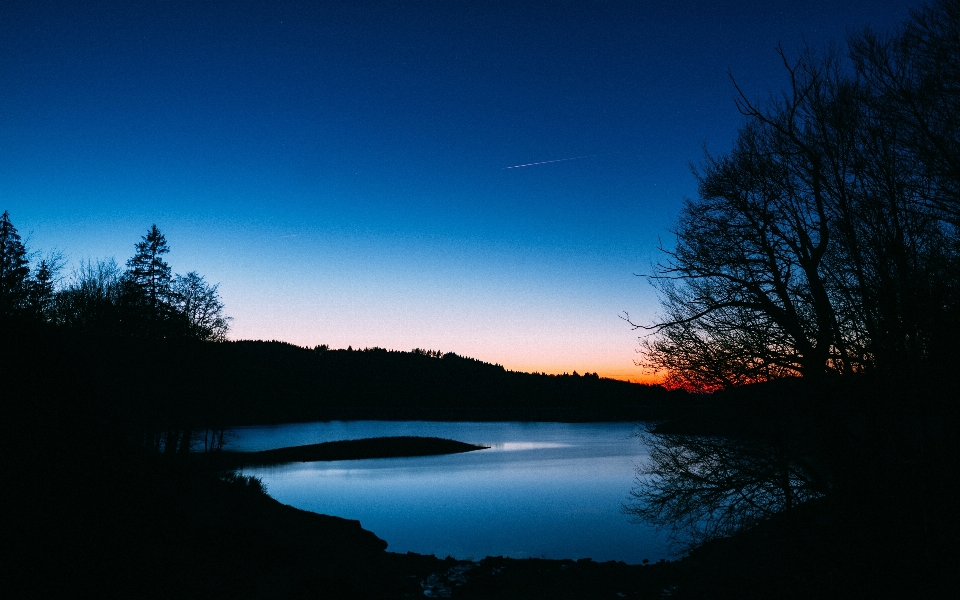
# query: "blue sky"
[340,168]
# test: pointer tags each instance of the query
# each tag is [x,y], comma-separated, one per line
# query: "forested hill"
[193,383]
[276,381]
[155,342]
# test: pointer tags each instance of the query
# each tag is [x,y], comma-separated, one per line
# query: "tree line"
[272,382]
[144,300]
[826,241]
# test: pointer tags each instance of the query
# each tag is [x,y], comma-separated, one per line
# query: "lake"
[551,490]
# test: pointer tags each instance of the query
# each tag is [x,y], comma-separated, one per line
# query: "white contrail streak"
[546,162]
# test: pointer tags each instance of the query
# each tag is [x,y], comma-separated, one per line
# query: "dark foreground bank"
[159,527]
[94,505]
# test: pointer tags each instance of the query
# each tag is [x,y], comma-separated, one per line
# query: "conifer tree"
[41,289]
[148,271]
[14,268]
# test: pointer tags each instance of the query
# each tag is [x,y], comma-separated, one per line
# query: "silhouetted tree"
[42,287]
[144,301]
[825,241]
[200,304]
[214,439]
[99,299]
[746,289]
[915,79]
[148,270]
[14,269]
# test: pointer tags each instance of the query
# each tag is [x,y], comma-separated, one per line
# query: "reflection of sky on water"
[512,446]
[543,489]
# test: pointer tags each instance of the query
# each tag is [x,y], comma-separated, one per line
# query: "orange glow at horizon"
[630,374]
[636,375]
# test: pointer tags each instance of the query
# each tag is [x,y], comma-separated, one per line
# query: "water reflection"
[700,487]
[542,489]
[514,446]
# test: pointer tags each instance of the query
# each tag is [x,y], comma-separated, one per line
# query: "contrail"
[546,162]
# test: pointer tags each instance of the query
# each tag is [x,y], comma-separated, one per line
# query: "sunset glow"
[340,170]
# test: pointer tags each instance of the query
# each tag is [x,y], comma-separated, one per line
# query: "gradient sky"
[340,167]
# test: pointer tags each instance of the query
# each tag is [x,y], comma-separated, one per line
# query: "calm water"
[550,490]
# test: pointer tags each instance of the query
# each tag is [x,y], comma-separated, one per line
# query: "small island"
[379,447]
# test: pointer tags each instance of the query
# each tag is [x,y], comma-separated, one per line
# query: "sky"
[343,169]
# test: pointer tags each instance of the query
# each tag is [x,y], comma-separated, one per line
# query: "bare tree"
[914,75]
[91,296]
[200,304]
[746,280]
[815,246]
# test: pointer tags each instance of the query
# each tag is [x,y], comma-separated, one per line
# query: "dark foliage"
[814,288]
[146,301]
[148,271]
[279,382]
[14,269]
[825,242]
[99,509]
[874,457]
